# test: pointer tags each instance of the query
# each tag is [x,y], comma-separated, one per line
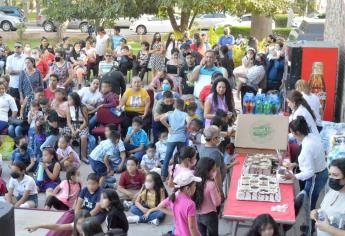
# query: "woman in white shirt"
[7,103]
[24,185]
[311,162]
[300,107]
[313,101]
[333,204]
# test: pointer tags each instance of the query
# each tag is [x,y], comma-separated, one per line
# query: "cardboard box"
[262,132]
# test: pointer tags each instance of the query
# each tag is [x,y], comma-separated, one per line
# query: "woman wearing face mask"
[24,185]
[182,206]
[75,53]
[157,59]
[311,162]
[167,85]
[333,204]
[41,65]
[151,194]
[116,218]
[185,160]
[207,197]
[63,69]
[264,225]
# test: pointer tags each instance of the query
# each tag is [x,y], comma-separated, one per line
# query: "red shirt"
[3,189]
[43,67]
[132,182]
[49,94]
[205,91]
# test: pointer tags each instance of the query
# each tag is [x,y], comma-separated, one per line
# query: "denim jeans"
[3,125]
[154,215]
[170,151]
[50,142]
[92,122]
[313,187]
[15,131]
[138,155]
[31,134]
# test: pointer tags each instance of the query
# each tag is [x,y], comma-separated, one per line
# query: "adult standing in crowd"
[14,66]
[227,40]
[186,85]
[170,45]
[198,45]
[7,104]
[157,59]
[116,38]
[101,44]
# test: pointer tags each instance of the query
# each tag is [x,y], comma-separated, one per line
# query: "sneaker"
[127,205]
[154,222]
[133,219]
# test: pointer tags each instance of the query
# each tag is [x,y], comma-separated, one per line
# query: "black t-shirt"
[52,117]
[187,88]
[117,219]
[117,81]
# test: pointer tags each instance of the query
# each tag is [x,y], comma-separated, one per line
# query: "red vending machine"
[315,62]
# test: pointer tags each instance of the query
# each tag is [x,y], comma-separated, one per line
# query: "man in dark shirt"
[187,87]
[51,124]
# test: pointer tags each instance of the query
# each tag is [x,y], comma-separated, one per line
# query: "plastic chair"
[104,116]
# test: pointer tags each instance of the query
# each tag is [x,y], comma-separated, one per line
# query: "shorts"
[32,198]
[76,125]
[98,167]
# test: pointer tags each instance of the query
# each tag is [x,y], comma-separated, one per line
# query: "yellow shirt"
[190,118]
[135,100]
[149,199]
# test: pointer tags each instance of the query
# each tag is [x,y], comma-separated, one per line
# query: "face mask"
[164,141]
[57,59]
[334,184]
[15,175]
[148,185]
[166,87]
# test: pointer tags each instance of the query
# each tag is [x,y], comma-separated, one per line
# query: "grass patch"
[32,16]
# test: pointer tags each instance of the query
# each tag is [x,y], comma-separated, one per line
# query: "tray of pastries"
[254,187]
[260,164]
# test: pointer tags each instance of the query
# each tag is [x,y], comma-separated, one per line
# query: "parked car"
[245,21]
[50,26]
[309,30]
[152,24]
[9,23]
[205,21]
[13,11]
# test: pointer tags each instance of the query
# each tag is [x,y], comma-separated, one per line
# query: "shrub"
[281,20]
[282,32]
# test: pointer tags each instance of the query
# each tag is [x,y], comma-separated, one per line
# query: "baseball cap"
[18,45]
[185,178]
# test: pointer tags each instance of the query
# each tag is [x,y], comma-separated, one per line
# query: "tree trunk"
[172,19]
[60,30]
[261,26]
[192,20]
[25,7]
[38,7]
[185,16]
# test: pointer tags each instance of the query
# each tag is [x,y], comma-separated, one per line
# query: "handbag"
[15,121]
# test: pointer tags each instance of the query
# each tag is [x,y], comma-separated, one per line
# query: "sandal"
[86,161]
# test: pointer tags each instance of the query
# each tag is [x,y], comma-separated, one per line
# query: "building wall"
[335,32]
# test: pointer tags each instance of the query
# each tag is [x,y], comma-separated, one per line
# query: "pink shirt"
[183,208]
[65,153]
[73,193]
[212,198]
[178,169]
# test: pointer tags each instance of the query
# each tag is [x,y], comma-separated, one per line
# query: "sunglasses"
[108,55]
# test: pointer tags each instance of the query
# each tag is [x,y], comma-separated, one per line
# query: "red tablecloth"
[248,210]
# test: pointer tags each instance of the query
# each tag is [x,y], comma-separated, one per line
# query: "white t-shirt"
[101,44]
[15,62]
[302,111]
[7,103]
[27,183]
[88,98]
[314,103]
[333,205]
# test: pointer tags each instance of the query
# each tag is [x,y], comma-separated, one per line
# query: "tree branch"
[172,19]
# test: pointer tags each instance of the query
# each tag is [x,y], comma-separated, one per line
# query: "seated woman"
[255,76]
[152,193]
[106,65]
[157,82]
[7,103]
[220,98]
[51,172]
[167,85]
[142,60]
[60,105]
[136,102]
[91,97]
[174,64]
[78,123]
[24,185]
[63,69]
[247,62]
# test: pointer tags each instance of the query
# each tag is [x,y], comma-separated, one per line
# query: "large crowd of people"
[85,103]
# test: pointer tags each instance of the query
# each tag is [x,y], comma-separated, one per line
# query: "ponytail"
[172,197]
[176,157]
[297,98]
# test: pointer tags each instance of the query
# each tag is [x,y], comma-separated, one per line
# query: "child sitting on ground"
[106,153]
[136,139]
[161,146]
[130,181]
[51,173]
[66,155]
[191,111]
[39,137]
[24,154]
[195,133]
[33,114]
[150,161]
[66,193]
[152,193]
[90,196]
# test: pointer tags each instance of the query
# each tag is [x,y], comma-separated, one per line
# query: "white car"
[9,23]
[245,20]
[152,24]
[205,21]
